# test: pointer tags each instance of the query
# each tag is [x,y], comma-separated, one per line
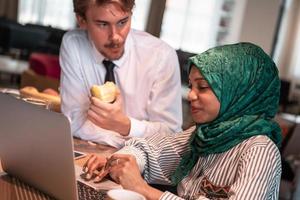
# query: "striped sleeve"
[258,174]
[158,155]
[169,196]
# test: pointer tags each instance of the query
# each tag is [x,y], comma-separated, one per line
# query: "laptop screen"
[36,147]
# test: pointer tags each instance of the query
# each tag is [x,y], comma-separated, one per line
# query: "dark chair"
[284,101]
[183,58]
[29,38]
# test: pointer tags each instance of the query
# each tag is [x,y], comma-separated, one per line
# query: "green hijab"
[245,81]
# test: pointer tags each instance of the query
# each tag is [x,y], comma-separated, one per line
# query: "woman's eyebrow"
[200,79]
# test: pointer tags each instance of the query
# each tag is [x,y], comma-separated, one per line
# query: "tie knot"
[109,66]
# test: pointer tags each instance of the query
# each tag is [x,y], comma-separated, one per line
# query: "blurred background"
[191,26]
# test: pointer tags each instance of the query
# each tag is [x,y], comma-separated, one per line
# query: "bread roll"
[106,92]
[32,92]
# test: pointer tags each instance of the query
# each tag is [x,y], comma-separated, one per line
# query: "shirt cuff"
[137,128]
[136,153]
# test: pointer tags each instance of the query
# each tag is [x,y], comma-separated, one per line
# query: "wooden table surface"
[13,189]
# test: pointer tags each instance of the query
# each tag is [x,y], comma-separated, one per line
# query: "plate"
[122,194]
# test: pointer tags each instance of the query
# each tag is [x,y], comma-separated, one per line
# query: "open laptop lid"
[36,146]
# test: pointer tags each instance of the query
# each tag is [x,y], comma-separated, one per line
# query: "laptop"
[36,146]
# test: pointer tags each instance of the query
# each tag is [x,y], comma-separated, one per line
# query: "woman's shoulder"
[259,143]
[258,140]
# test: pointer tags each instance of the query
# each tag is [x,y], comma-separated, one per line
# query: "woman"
[232,152]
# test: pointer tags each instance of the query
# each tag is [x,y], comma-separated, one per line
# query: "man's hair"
[81,6]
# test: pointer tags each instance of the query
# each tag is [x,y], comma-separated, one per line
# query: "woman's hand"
[95,165]
[125,171]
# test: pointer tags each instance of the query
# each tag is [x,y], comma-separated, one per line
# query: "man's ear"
[81,22]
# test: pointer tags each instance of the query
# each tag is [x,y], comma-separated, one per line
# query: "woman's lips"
[194,109]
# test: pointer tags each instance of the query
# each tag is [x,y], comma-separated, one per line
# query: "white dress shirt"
[147,75]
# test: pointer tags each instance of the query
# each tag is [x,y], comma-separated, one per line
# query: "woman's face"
[204,104]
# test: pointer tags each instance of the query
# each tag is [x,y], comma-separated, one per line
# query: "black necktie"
[109,66]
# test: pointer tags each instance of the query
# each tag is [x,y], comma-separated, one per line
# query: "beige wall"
[286,42]
[259,22]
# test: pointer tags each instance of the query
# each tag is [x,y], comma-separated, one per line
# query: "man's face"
[108,27]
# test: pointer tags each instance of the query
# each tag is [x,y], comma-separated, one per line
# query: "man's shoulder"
[76,34]
[143,39]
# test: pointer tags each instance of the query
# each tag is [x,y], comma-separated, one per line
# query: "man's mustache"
[113,45]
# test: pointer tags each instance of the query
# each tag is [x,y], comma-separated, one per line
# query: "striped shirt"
[250,170]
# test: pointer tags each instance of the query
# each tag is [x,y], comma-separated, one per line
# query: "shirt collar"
[98,57]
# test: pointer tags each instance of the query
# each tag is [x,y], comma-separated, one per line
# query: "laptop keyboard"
[85,192]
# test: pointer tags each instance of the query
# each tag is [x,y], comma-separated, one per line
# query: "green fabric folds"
[245,81]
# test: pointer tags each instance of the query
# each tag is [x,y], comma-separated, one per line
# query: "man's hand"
[109,115]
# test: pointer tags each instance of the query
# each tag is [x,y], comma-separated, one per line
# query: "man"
[146,72]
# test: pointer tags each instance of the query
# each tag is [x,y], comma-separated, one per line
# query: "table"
[13,189]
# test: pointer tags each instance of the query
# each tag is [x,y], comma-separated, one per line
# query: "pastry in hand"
[106,92]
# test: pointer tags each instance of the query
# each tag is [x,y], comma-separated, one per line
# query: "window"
[191,25]
[56,13]
[59,13]
[140,14]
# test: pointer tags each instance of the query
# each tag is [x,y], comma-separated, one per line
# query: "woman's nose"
[192,95]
